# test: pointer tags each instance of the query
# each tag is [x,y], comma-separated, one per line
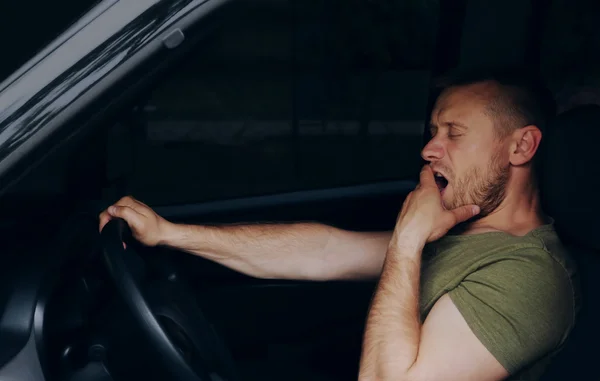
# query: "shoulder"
[537,259]
[535,270]
[536,265]
[530,274]
[520,301]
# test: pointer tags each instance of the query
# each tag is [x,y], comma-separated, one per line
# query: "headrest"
[570,174]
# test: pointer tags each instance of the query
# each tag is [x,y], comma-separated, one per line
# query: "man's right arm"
[301,251]
[308,251]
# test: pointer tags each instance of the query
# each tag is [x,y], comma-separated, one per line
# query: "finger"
[135,204]
[463,213]
[127,201]
[132,217]
[426,177]
[103,220]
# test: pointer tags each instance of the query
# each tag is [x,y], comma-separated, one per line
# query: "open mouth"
[441,181]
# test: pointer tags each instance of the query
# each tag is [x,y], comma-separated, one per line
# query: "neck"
[519,213]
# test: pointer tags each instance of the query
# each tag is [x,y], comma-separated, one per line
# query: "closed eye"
[455,132]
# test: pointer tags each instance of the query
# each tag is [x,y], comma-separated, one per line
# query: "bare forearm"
[392,335]
[308,251]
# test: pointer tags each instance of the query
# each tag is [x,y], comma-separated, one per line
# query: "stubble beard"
[485,190]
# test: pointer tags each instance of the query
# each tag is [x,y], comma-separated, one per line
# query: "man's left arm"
[398,347]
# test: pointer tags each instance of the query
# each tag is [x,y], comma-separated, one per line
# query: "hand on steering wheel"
[145,224]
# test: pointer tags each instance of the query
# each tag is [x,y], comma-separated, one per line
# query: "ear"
[524,144]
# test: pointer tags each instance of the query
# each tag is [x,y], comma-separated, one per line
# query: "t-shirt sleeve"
[520,307]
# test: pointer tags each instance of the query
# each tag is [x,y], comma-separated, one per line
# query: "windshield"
[28,27]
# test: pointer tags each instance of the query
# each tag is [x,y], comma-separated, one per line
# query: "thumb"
[465,212]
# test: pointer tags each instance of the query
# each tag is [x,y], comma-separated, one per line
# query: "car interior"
[248,127]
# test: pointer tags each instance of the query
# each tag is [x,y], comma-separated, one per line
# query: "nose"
[433,151]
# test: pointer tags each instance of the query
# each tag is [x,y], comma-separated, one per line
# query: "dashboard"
[56,307]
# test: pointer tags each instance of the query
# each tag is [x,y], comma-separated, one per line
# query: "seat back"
[570,186]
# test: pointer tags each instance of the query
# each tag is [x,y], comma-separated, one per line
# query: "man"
[474,284]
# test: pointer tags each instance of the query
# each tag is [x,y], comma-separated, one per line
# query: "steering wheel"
[168,314]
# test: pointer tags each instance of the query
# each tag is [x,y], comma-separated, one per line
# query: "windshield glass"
[28,27]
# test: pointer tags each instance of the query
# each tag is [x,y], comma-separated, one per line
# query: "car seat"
[570,186]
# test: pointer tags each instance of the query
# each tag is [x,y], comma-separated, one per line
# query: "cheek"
[464,157]
[475,149]
[471,155]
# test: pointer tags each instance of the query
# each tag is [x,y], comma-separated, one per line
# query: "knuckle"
[126,199]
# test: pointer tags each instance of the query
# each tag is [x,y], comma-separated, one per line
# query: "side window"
[294,95]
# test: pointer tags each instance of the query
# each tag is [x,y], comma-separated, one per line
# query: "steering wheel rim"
[115,257]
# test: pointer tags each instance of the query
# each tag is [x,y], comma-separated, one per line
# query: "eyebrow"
[449,124]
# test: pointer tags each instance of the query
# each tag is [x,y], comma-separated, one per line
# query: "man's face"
[470,161]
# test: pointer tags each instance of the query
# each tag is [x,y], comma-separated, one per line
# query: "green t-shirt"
[518,295]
